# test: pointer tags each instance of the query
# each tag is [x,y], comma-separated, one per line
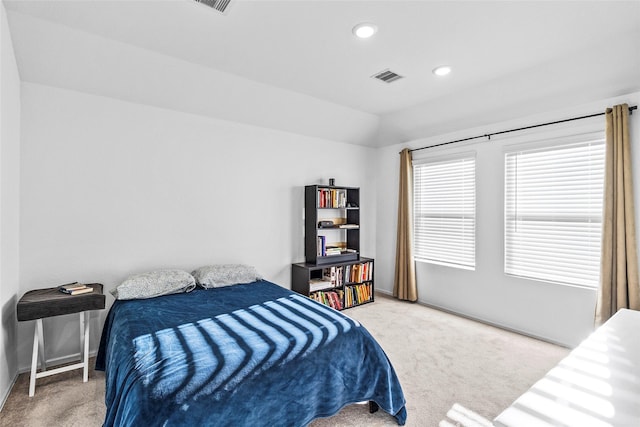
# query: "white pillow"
[154,284]
[217,276]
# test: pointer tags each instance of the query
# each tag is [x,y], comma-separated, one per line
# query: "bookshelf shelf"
[306,277]
[332,249]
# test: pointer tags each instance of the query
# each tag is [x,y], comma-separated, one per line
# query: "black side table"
[41,303]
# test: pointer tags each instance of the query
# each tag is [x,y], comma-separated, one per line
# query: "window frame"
[557,142]
[443,261]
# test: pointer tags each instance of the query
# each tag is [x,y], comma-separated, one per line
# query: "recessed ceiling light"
[365,30]
[442,70]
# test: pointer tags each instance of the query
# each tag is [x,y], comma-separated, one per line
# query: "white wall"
[59,56]
[110,188]
[561,314]
[9,206]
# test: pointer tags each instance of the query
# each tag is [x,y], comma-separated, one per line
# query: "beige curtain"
[619,261]
[404,286]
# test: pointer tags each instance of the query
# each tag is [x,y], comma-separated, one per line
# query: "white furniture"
[596,385]
[38,343]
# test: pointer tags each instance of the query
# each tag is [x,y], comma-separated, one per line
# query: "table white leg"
[37,331]
[81,334]
[43,358]
[85,350]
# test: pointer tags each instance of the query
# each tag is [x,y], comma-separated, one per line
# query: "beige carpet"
[454,372]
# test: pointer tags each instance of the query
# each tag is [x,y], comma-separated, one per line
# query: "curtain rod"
[489,135]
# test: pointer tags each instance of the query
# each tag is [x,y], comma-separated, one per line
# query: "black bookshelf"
[334,272]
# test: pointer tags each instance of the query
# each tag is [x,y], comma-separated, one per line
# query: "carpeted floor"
[454,372]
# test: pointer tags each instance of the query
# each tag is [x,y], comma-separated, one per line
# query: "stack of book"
[75,288]
[332,299]
[332,250]
[318,284]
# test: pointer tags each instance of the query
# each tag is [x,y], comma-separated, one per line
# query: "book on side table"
[75,288]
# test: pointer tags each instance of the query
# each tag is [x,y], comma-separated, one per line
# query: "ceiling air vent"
[219,5]
[387,76]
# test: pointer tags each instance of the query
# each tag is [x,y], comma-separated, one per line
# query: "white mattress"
[596,385]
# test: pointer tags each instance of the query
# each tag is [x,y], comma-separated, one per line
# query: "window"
[553,212]
[445,211]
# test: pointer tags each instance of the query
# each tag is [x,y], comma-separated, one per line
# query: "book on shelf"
[349,226]
[318,284]
[358,273]
[332,198]
[334,276]
[332,250]
[75,289]
[81,291]
[332,299]
[339,275]
[71,286]
[321,245]
[329,274]
[358,294]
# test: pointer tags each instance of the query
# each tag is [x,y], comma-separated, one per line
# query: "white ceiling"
[504,54]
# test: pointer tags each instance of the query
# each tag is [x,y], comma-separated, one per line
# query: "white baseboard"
[491,323]
[7,392]
[386,293]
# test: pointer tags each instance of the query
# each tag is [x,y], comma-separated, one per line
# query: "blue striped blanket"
[244,355]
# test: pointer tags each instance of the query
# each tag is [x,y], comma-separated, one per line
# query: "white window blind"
[445,211]
[553,212]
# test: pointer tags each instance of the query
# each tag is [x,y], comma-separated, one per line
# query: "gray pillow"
[217,276]
[154,284]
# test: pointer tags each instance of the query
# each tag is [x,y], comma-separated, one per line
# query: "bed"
[245,355]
